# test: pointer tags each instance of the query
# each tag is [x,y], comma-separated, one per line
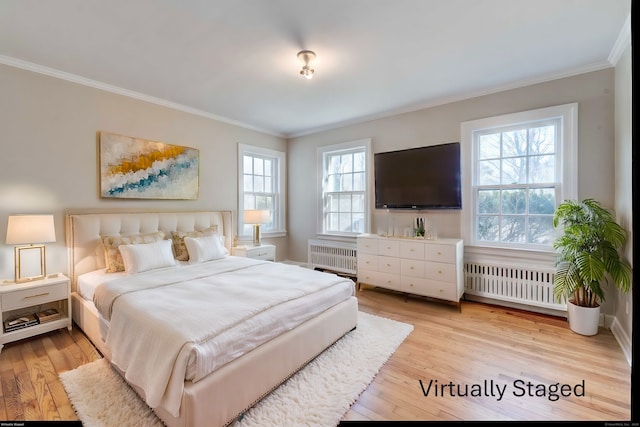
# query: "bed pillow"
[205,248]
[148,256]
[112,255]
[179,248]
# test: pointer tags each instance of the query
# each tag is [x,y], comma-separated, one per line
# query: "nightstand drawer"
[33,296]
[267,253]
[262,252]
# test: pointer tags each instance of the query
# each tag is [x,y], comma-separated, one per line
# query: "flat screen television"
[419,178]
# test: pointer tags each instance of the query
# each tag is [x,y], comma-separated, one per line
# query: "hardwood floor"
[481,344]
[477,345]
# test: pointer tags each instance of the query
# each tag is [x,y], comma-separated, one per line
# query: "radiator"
[340,257]
[522,285]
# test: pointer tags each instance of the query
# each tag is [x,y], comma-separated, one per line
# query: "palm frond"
[588,252]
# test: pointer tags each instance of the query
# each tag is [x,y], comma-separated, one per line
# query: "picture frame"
[136,168]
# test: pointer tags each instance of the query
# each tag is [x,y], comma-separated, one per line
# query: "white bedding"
[254,302]
[88,282]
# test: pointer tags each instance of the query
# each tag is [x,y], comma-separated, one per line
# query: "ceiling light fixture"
[306,56]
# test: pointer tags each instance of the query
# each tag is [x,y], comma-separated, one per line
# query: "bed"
[201,383]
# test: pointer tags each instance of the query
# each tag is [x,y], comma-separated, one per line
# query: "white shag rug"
[318,395]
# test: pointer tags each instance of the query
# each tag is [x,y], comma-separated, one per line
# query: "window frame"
[322,153]
[279,185]
[566,182]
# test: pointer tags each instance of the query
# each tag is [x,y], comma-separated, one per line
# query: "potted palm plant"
[587,257]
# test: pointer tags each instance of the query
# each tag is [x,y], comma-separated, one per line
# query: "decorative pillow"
[112,255]
[179,249]
[205,248]
[148,256]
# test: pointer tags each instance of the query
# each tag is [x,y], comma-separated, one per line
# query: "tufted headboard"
[83,232]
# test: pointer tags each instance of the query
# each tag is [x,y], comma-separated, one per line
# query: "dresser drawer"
[412,267]
[441,253]
[367,261]
[440,271]
[389,265]
[389,248]
[429,288]
[367,246]
[383,280]
[412,250]
[34,296]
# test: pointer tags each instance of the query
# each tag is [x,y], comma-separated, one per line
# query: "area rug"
[318,395]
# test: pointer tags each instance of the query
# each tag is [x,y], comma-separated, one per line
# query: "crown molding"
[623,40]
[63,75]
[461,97]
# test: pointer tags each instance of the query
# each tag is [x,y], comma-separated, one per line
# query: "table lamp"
[30,232]
[256,217]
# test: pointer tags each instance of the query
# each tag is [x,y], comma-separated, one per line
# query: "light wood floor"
[480,344]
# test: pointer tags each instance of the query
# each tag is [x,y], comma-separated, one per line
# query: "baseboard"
[526,307]
[623,339]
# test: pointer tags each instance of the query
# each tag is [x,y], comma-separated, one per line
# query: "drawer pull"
[37,295]
[439,253]
[439,271]
[411,268]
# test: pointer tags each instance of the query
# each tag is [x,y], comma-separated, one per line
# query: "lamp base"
[30,263]
[256,234]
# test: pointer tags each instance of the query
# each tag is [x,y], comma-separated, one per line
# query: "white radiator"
[528,285]
[340,257]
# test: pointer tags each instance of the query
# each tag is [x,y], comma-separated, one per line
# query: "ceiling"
[236,60]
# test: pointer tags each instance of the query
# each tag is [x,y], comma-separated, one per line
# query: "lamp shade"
[256,216]
[24,229]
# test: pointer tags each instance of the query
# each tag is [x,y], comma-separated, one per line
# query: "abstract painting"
[133,168]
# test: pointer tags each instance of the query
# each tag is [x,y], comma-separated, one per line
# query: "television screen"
[419,178]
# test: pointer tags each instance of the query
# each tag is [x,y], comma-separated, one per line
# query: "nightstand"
[264,252]
[21,299]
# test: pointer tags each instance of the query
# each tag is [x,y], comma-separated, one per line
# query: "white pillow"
[205,248]
[147,256]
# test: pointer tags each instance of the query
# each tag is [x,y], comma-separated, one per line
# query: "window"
[344,188]
[261,186]
[521,167]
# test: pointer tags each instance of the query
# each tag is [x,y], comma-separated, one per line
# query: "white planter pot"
[583,320]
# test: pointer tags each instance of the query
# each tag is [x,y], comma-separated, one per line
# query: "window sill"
[337,237]
[516,257]
[263,235]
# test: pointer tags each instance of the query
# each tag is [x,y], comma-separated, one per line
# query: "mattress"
[235,340]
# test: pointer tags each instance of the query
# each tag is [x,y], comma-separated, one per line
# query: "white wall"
[623,190]
[48,163]
[594,92]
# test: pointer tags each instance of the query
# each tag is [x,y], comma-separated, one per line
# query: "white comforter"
[160,319]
